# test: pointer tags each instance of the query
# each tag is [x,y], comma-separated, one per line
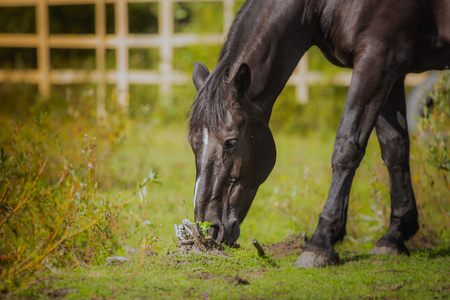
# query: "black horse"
[382,40]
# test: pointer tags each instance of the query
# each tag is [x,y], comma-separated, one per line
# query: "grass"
[289,202]
[244,275]
[127,151]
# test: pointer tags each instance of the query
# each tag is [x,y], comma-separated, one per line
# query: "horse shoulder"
[441,14]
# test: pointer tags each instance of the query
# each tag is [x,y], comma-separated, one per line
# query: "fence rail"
[165,40]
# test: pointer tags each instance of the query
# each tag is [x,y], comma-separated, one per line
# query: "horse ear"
[199,75]
[242,78]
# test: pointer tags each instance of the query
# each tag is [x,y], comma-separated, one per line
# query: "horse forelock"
[210,106]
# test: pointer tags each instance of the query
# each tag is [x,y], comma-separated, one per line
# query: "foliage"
[321,115]
[71,19]
[10,23]
[144,20]
[40,219]
[436,125]
[204,227]
[432,164]
[429,170]
[198,17]
[52,211]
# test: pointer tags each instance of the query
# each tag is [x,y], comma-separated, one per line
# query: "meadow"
[75,192]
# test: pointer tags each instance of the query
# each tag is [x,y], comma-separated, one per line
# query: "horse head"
[233,147]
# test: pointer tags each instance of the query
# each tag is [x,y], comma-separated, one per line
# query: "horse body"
[381,40]
[413,35]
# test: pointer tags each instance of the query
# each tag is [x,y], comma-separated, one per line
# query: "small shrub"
[46,222]
[435,129]
[52,211]
[430,167]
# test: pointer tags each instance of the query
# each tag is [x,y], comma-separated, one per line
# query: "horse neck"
[271,37]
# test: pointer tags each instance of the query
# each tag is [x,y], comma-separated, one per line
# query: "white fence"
[165,40]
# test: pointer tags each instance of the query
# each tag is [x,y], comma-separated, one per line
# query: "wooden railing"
[165,40]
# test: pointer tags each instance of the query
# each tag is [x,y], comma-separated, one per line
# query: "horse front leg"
[371,83]
[392,133]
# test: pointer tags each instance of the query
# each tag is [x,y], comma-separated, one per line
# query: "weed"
[430,166]
[49,222]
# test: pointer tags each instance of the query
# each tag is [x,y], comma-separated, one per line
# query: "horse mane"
[210,107]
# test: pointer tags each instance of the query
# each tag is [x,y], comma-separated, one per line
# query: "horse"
[381,40]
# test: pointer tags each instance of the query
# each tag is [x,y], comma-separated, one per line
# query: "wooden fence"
[165,40]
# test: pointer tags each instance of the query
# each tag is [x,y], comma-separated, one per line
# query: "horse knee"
[347,155]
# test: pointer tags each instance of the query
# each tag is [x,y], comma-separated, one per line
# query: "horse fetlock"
[390,245]
[384,250]
[309,259]
[409,223]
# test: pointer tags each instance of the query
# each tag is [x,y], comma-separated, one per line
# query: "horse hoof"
[382,250]
[309,259]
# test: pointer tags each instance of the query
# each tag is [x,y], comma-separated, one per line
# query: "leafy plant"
[435,128]
[49,221]
[44,223]
[204,226]
[432,166]
[430,172]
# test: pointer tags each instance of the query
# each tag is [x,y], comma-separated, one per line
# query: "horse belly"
[433,60]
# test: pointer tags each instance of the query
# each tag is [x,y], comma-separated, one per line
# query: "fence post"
[228,15]
[121,13]
[301,87]
[165,28]
[43,51]
[100,32]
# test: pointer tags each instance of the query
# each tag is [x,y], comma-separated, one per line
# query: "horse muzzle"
[227,235]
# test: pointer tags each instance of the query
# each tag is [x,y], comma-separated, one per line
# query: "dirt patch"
[235,280]
[62,292]
[291,245]
[203,275]
[187,249]
[192,239]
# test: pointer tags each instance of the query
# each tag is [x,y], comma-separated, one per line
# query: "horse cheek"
[236,167]
[266,159]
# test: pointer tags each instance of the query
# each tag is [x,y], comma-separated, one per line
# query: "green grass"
[288,202]
[424,275]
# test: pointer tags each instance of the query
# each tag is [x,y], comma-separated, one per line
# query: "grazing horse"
[381,40]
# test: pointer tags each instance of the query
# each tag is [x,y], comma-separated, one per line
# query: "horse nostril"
[217,232]
[213,231]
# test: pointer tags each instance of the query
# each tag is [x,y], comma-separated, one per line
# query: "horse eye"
[230,144]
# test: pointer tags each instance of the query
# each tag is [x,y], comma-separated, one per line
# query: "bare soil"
[291,245]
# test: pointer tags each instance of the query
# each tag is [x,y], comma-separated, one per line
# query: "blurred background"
[137,55]
[113,77]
